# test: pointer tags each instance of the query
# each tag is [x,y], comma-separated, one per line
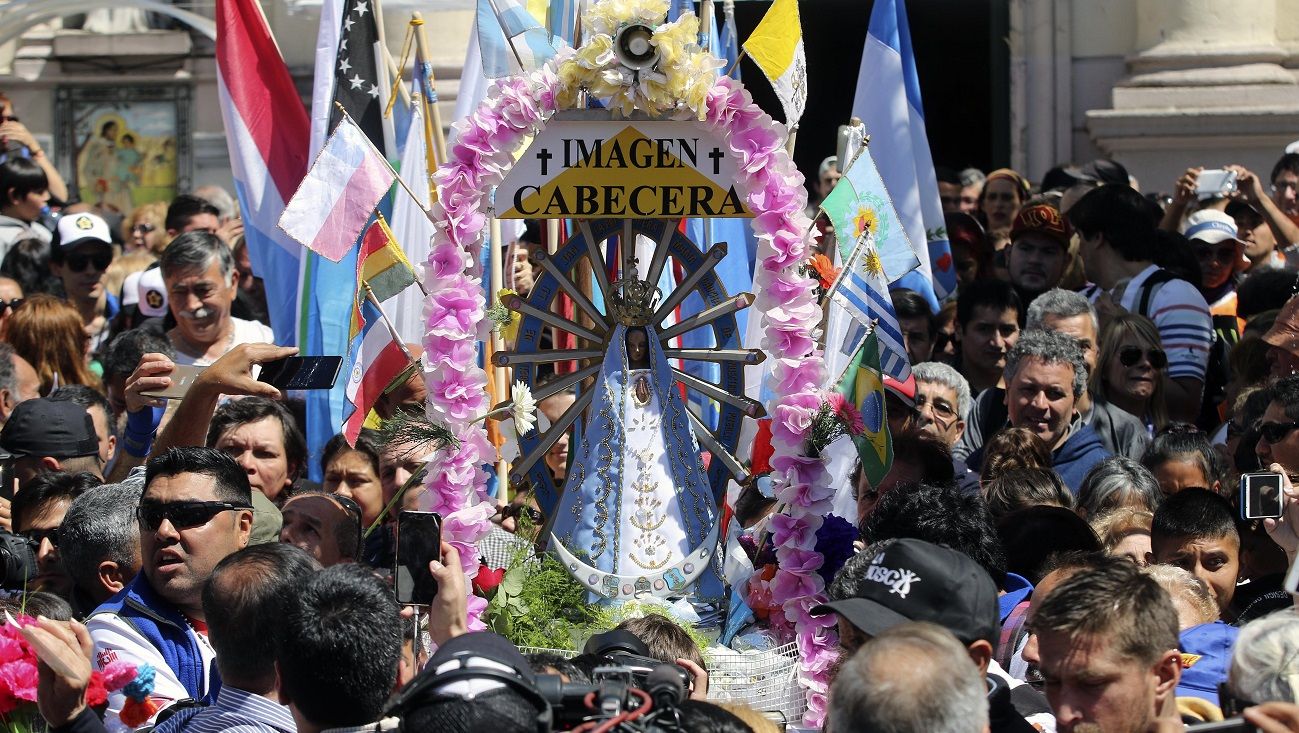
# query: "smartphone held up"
[419,542]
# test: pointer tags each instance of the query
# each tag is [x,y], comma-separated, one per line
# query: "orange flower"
[825,270]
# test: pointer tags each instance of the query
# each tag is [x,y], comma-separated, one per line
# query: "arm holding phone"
[1251,188]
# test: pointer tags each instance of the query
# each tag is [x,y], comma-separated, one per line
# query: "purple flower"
[835,543]
[793,531]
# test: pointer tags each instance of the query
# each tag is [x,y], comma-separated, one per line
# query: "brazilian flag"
[863,386]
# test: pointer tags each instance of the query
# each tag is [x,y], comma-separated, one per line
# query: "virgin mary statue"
[637,514]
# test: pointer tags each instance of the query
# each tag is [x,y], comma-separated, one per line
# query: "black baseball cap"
[43,427]
[914,580]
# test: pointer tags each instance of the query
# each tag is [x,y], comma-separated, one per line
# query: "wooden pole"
[407,44]
[433,120]
[501,380]
[706,24]
[423,207]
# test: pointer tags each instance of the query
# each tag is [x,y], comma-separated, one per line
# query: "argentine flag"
[888,102]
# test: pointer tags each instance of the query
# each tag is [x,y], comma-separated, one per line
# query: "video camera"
[451,693]
[17,561]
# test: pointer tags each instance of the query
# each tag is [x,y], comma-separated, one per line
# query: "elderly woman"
[1115,483]
[1265,663]
[1132,368]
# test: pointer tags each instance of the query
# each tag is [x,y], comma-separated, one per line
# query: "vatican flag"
[863,386]
[776,46]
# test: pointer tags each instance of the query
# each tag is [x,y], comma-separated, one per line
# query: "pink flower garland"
[773,187]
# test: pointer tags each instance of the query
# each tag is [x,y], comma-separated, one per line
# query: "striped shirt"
[238,711]
[1182,317]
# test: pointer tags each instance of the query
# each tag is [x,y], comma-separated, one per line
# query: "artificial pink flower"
[788,584]
[793,342]
[476,606]
[794,531]
[119,674]
[792,418]
[19,678]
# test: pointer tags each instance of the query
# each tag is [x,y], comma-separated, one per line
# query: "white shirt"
[116,640]
[244,332]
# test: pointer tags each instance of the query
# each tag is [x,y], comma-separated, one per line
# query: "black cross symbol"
[717,156]
[544,156]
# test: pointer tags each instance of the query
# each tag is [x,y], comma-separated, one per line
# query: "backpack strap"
[1152,283]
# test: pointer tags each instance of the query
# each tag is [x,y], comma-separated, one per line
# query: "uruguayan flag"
[511,40]
[862,291]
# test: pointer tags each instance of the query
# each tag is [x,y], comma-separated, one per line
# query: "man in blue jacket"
[1045,376]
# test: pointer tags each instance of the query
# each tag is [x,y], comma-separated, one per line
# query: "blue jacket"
[1076,457]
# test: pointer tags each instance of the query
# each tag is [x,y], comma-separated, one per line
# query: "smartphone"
[419,542]
[182,378]
[1230,725]
[1260,495]
[302,372]
[1215,183]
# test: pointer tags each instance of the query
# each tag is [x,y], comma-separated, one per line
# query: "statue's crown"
[633,302]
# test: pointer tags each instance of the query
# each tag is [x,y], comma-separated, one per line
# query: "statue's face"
[637,345]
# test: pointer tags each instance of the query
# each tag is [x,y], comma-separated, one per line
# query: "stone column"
[1206,87]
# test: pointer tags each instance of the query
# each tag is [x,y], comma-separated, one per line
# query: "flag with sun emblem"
[863,385]
[860,204]
[862,291]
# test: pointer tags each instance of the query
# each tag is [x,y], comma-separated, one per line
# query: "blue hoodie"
[1076,457]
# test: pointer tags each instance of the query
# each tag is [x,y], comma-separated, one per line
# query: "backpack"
[1217,371]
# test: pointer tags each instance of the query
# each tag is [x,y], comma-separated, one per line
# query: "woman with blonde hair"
[48,333]
[143,230]
[1131,369]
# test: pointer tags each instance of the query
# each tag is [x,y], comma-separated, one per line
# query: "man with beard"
[199,272]
[196,509]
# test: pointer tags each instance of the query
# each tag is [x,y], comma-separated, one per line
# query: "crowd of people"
[1058,544]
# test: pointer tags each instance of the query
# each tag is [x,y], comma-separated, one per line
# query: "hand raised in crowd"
[1274,717]
[231,230]
[448,616]
[522,270]
[63,668]
[152,374]
[14,131]
[1284,530]
[232,374]
[698,679]
[1184,189]
[1248,185]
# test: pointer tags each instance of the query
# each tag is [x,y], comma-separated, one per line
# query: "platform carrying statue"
[637,515]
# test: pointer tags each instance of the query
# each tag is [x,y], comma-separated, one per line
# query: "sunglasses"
[1275,432]
[77,261]
[36,536]
[353,509]
[1221,254]
[183,514]
[1131,356]
[7,304]
[143,227]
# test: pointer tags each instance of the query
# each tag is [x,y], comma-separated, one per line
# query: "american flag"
[359,84]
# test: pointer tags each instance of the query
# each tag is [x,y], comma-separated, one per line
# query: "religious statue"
[637,514]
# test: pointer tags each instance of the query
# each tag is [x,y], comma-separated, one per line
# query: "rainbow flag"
[864,387]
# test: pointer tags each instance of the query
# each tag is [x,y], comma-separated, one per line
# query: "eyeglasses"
[941,410]
[77,261]
[183,514]
[1275,432]
[1131,356]
[353,509]
[143,227]
[7,304]
[37,536]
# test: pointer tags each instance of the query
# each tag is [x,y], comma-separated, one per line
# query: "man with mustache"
[196,509]
[199,272]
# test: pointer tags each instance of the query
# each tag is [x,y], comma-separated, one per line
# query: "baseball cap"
[1041,219]
[914,580]
[43,427]
[1103,170]
[465,666]
[131,289]
[1206,656]
[1210,226]
[1284,333]
[905,391]
[152,293]
[78,229]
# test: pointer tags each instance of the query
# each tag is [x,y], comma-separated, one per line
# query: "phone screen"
[1260,495]
[419,542]
[302,372]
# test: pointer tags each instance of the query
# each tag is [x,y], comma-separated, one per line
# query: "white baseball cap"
[131,289]
[152,293]
[1210,226]
[76,229]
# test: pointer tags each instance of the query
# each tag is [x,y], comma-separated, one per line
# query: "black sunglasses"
[77,261]
[183,514]
[7,304]
[1275,432]
[1131,355]
[36,536]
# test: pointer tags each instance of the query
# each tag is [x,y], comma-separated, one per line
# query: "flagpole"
[706,24]
[738,58]
[418,282]
[505,32]
[427,212]
[433,120]
[383,315]
[397,88]
[495,274]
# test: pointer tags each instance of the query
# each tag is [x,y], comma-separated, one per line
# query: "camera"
[17,561]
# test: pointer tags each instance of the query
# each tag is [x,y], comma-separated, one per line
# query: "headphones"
[422,691]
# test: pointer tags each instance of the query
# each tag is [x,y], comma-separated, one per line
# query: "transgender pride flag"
[336,199]
[267,132]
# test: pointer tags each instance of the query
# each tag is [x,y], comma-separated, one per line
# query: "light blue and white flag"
[510,39]
[862,291]
[860,205]
[888,102]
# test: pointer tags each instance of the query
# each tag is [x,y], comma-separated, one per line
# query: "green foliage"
[539,604]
